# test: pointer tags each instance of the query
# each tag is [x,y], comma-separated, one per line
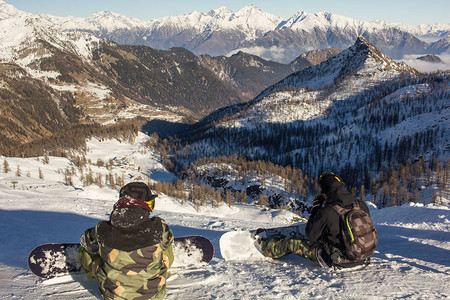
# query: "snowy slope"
[355,69]
[336,115]
[23,37]
[411,260]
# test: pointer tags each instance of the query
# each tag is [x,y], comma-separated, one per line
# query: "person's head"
[140,191]
[134,206]
[327,179]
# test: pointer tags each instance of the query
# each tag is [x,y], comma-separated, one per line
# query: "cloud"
[273,53]
[423,66]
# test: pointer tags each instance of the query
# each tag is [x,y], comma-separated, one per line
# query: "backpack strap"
[344,214]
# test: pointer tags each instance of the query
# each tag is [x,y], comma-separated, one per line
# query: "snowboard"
[296,230]
[242,246]
[58,259]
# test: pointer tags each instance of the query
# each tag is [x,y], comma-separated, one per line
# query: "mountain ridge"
[356,113]
[90,80]
[224,32]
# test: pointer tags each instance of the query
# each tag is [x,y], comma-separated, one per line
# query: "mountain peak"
[430,58]
[362,41]
[250,8]
[365,48]
[220,11]
[362,45]
[359,62]
[7,10]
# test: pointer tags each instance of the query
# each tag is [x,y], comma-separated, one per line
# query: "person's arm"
[316,225]
[88,240]
[89,256]
[167,244]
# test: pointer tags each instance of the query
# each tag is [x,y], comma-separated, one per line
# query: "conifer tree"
[18,171]
[46,159]
[6,168]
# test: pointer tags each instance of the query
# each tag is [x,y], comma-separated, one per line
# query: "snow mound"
[239,245]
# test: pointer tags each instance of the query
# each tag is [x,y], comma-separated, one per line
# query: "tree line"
[62,143]
[359,136]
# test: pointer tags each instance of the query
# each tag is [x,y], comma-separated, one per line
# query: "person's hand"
[319,200]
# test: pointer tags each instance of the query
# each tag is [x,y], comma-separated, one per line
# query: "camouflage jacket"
[131,262]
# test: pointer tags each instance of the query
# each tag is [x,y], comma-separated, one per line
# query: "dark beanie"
[326,179]
[138,190]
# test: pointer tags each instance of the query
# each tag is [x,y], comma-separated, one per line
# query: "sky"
[412,12]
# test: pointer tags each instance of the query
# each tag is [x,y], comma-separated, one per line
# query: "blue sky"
[413,12]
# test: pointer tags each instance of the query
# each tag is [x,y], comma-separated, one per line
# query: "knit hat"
[138,190]
[326,179]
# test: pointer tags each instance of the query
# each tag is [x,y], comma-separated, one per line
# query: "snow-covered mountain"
[76,77]
[80,78]
[363,60]
[357,112]
[222,31]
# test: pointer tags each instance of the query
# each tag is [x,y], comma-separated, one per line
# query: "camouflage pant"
[93,263]
[276,248]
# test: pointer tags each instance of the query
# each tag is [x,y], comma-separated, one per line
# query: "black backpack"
[359,234]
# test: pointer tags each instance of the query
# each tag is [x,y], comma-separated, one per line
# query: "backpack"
[359,234]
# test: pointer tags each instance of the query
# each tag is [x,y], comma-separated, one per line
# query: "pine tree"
[363,193]
[6,168]
[46,159]
[112,183]
[18,171]
[262,200]
[434,198]
[68,177]
[99,180]
[243,196]
[229,198]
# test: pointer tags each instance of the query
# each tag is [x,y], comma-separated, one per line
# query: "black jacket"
[324,223]
[131,228]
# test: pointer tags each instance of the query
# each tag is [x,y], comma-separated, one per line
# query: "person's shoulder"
[329,211]
[158,220]
[102,224]
[363,206]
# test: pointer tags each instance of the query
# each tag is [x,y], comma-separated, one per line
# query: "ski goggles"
[151,204]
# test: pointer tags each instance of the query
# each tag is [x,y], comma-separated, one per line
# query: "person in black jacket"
[323,243]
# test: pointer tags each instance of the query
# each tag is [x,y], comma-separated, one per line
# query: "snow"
[249,20]
[411,260]
[239,245]
[186,257]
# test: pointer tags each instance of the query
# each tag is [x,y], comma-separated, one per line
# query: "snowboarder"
[324,241]
[130,254]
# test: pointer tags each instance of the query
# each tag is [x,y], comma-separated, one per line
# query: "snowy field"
[412,260]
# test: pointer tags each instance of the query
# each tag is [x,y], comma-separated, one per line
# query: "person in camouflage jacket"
[130,254]
[323,242]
